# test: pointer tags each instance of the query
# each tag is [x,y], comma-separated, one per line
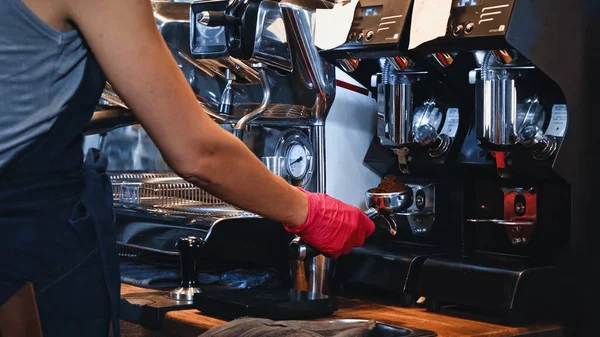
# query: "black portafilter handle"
[299,250]
[217,19]
[189,247]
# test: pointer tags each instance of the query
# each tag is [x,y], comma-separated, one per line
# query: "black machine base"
[518,289]
[392,268]
[149,309]
[275,304]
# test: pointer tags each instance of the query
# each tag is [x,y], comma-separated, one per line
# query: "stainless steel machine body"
[307,120]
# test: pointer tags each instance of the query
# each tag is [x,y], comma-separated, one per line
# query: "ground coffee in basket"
[390,184]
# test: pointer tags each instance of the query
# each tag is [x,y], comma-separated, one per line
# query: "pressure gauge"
[298,157]
[297,161]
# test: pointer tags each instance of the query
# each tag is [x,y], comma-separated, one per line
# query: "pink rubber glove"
[333,227]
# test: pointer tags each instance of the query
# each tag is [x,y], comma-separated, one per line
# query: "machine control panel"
[377,24]
[479,18]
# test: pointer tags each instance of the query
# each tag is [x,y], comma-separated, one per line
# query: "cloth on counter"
[149,276]
[155,276]
[257,327]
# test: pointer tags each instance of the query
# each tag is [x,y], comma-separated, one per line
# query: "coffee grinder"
[516,193]
[420,129]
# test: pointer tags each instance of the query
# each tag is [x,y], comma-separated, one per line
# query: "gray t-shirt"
[40,70]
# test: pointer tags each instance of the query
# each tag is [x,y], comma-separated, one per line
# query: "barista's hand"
[333,227]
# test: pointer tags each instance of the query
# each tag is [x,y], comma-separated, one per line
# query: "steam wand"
[239,127]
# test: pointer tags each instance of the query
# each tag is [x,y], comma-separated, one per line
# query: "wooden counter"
[190,323]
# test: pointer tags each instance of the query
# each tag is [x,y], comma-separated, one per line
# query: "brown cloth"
[257,327]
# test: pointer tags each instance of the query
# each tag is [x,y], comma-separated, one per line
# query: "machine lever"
[216,19]
[226,104]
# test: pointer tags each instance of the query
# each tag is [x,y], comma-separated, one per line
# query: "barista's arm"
[123,36]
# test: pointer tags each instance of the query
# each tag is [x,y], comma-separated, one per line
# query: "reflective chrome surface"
[499,108]
[319,143]
[184,293]
[312,274]
[254,114]
[395,107]
[533,137]
[130,149]
[312,75]
[401,107]
[389,202]
[274,164]
[270,44]
[226,104]
[305,94]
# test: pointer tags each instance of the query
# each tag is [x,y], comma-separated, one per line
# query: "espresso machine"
[255,70]
[516,194]
[421,125]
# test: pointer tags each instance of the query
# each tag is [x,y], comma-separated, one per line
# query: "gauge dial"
[297,159]
[297,150]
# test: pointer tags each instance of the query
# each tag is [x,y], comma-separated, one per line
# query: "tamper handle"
[189,247]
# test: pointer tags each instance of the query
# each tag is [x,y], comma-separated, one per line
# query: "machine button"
[360,37]
[370,35]
[458,30]
[352,36]
[469,27]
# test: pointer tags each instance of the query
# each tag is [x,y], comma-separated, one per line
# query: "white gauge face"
[297,159]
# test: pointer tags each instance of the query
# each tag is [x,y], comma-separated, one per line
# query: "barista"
[56,221]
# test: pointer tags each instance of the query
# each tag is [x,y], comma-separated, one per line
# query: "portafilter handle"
[189,248]
[390,224]
[300,250]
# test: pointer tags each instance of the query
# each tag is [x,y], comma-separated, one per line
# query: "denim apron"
[57,224]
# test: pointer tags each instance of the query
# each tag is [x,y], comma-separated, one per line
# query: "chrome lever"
[226,104]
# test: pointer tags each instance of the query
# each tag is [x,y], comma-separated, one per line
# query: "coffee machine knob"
[427,136]
[189,248]
[542,146]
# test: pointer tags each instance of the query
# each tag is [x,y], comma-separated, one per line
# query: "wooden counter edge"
[193,323]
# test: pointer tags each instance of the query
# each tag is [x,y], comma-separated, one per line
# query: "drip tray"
[385,330]
[275,304]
